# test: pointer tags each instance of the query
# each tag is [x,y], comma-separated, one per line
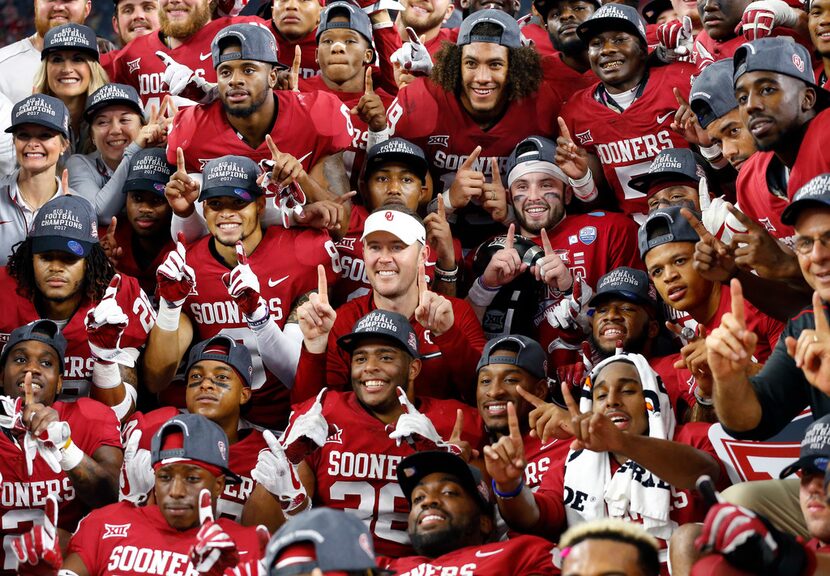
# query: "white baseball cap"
[400,224]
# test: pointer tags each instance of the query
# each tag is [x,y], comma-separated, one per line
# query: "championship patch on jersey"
[588,235]
[115,531]
[442,140]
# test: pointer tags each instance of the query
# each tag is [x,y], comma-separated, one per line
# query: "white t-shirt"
[18,64]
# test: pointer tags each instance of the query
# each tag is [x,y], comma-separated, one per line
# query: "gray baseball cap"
[511,35]
[671,163]
[382,324]
[66,223]
[201,439]
[397,150]
[816,192]
[149,170]
[627,283]
[225,349]
[111,95]
[358,20]
[70,37]
[256,43]
[45,331]
[613,17]
[664,226]
[708,98]
[530,355]
[534,149]
[42,110]
[233,176]
[414,468]
[815,449]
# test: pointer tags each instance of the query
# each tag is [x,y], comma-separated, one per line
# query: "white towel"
[631,491]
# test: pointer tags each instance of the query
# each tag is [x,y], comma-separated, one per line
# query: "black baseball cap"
[336,541]
[200,439]
[256,43]
[816,192]
[111,95]
[225,349]
[233,176]
[670,164]
[358,20]
[544,6]
[627,283]
[42,110]
[66,223]
[613,17]
[530,356]
[45,331]
[708,99]
[414,468]
[511,34]
[382,324]
[70,36]
[149,170]
[664,226]
[397,150]
[650,10]
[815,449]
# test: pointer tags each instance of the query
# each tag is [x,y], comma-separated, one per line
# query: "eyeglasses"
[804,244]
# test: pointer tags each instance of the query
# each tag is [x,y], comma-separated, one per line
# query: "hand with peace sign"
[550,269]
[571,159]
[546,420]
[287,169]
[181,191]
[505,460]
[434,312]
[713,259]
[214,551]
[414,427]
[592,430]
[686,123]
[730,346]
[154,133]
[370,108]
[38,551]
[468,182]
[756,249]
[112,250]
[494,196]
[439,237]
[811,351]
[316,316]
[505,265]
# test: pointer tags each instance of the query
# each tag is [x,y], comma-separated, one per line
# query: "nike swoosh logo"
[661,119]
[204,57]
[480,554]
[272,283]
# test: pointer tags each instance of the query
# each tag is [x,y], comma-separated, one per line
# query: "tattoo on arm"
[292,316]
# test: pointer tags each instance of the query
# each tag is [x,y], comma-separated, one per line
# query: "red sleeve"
[624,250]
[94,425]
[85,542]
[331,120]
[108,63]
[337,361]
[696,435]
[184,124]
[310,377]
[461,347]
[550,499]
[139,310]
[387,41]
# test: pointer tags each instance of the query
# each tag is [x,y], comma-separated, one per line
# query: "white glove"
[243,287]
[761,17]
[565,314]
[13,413]
[278,475]
[178,76]
[720,222]
[383,5]
[311,425]
[105,324]
[413,55]
[412,424]
[50,446]
[137,477]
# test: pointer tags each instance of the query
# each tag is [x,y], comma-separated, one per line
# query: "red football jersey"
[242,456]
[138,66]
[128,264]
[444,35]
[124,540]
[515,557]
[708,50]
[355,469]
[309,126]
[755,199]
[813,153]
[286,264]
[566,80]
[679,383]
[23,497]
[538,35]
[77,374]
[626,143]
[540,456]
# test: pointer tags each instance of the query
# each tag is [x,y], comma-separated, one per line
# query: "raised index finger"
[468,163]
[530,397]
[369,89]
[701,230]
[494,167]
[546,242]
[272,146]
[822,326]
[322,284]
[573,407]
[413,36]
[679,97]
[563,129]
[513,422]
[28,393]
[737,293]
[511,237]
[422,281]
[180,165]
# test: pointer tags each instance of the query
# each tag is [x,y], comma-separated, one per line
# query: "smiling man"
[427,17]
[134,18]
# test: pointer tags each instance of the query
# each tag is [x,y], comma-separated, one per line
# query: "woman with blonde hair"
[70,71]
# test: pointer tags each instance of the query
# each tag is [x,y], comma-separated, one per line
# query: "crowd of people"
[365,287]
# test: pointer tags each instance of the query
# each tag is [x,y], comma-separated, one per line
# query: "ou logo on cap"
[389,215]
[798,62]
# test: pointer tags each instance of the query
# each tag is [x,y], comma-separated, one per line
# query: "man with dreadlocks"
[60,273]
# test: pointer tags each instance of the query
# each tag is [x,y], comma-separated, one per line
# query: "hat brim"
[643,182]
[624,294]
[422,464]
[144,185]
[90,112]
[414,162]
[349,342]
[11,129]
[808,462]
[594,26]
[92,52]
[791,212]
[246,194]
[79,248]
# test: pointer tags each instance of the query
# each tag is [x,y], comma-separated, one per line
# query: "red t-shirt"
[813,153]
[755,199]
[444,35]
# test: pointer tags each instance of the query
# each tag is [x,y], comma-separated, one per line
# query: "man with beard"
[452,524]
[569,68]
[426,18]
[134,18]
[21,60]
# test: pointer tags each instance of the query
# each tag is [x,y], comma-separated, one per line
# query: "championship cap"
[414,468]
[613,17]
[45,331]
[533,154]
[652,9]
[815,449]
[357,20]
[192,437]
[675,165]
[511,35]
[781,55]
[256,43]
[225,349]
[42,110]
[66,223]
[708,100]
[816,192]
[529,354]
[397,150]
[627,283]
[111,95]
[544,6]
[70,36]
[664,226]
[233,176]
[382,324]
[149,170]
[324,538]
[398,223]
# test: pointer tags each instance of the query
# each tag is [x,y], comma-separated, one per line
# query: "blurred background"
[16,19]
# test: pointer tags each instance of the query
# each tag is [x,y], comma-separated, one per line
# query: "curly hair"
[524,67]
[97,273]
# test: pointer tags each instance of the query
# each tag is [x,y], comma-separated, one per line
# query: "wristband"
[701,399]
[106,375]
[481,295]
[449,276]
[382,25]
[71,455]
[508,495]
[377,137]
[123,408]
[447,204]
[260,318]
[168,316]
[585,189]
